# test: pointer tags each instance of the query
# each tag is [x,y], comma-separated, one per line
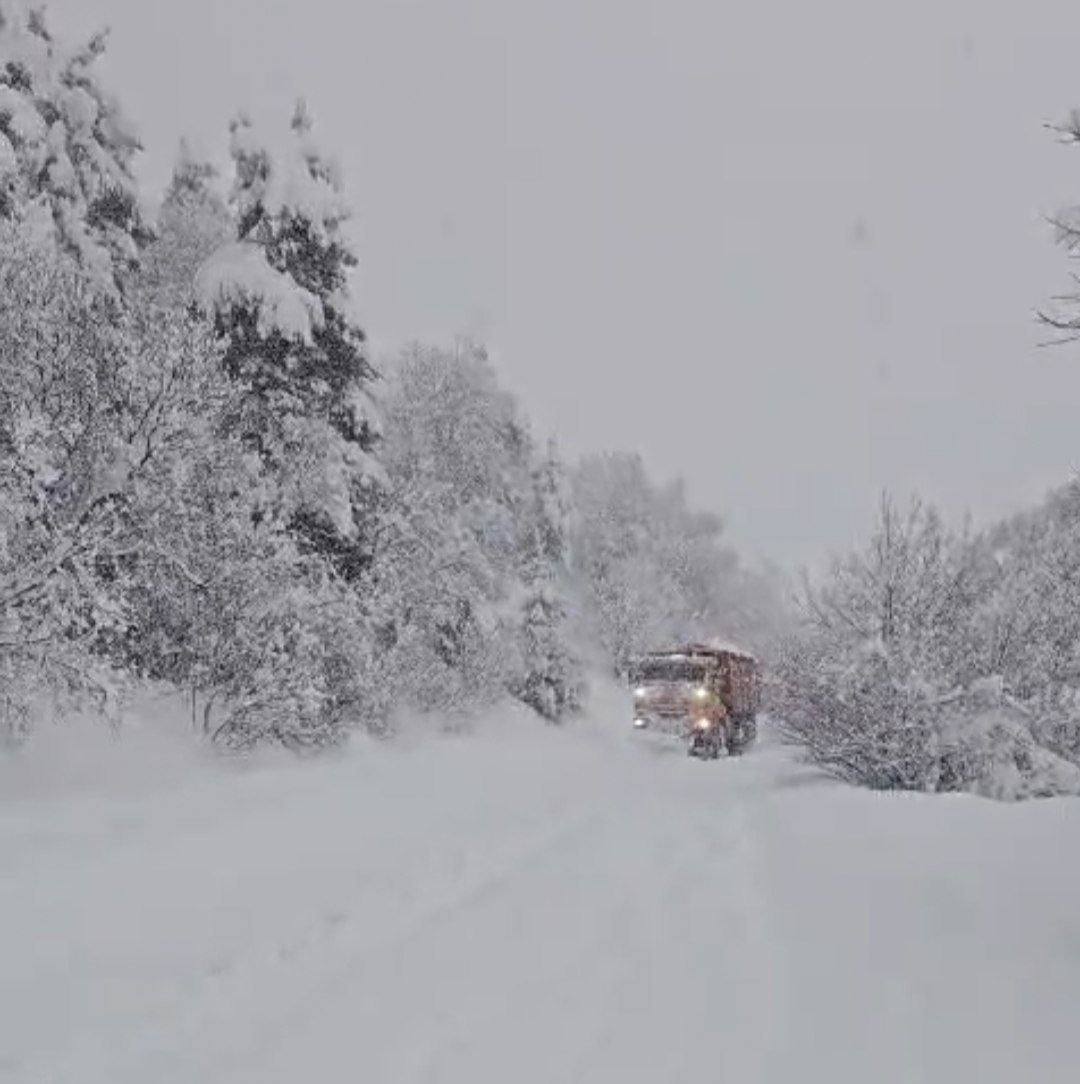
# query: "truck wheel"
[746,733]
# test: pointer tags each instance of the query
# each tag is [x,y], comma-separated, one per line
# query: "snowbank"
[925,938]
[152,746]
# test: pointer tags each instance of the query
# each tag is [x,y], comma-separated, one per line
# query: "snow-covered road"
[524,905]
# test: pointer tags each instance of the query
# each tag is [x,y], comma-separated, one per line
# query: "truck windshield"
[675,670]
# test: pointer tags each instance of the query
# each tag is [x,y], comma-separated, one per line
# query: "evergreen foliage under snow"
[66,147]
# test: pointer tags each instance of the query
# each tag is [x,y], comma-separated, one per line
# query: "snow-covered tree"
[550,677]
[612,555]
[192,225]
[135,533]
[66,148]
[1062,316]
[223,601]
[270,627]
[454,457]
[470,546]
[282,307]
[653,570]
[1029,619]
[895,680]
[98,408]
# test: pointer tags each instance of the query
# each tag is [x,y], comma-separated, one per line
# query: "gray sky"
[789,251]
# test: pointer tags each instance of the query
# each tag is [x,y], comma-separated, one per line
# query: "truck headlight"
[639,692]
[701,693]
[703,724]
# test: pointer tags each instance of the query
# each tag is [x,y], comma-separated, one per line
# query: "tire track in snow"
[631,953]
[198,1035]
[560,958]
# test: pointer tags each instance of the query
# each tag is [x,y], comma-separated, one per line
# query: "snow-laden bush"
[295,665]
[990,747]
[272,642]
[870,720]
[895,679]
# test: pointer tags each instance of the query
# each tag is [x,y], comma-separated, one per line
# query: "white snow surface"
[522,903]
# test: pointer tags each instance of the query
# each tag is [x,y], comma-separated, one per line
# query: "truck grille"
[664,704]
[667,711]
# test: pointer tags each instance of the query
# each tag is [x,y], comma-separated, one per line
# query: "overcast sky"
[789,251]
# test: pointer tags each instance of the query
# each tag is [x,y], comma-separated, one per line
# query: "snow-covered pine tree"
[192,224]
[282,307]
[550,680]
[66,148]
[294,652]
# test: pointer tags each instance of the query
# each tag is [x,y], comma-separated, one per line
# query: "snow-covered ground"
[522,904]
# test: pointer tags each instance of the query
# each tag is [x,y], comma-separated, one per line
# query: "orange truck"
[708,694]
